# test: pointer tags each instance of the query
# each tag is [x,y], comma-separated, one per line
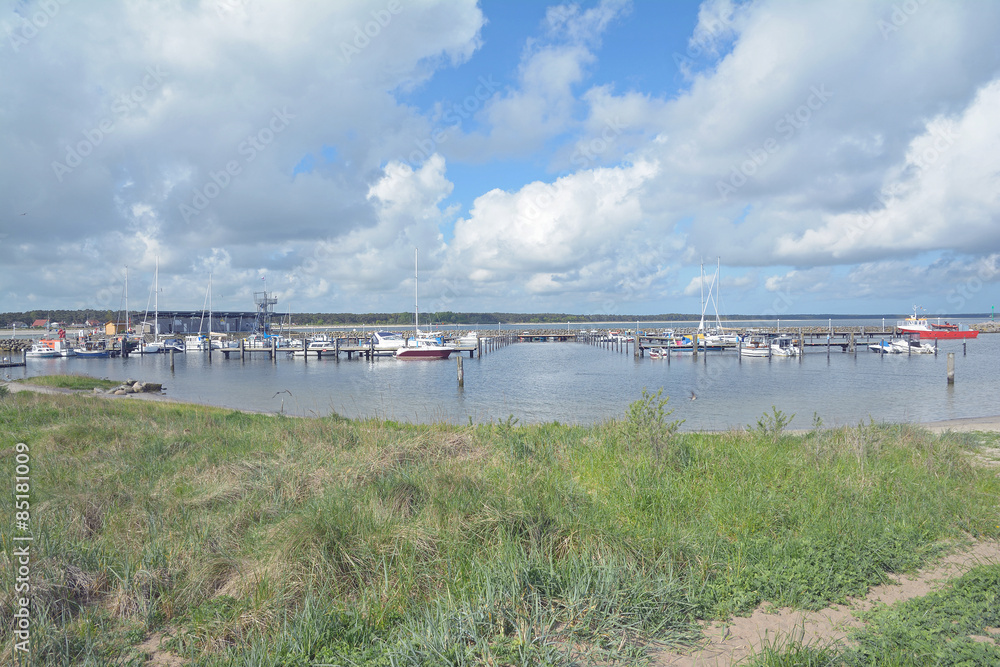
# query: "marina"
[539,374]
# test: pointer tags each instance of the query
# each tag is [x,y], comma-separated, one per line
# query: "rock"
[119,392]
[152,386]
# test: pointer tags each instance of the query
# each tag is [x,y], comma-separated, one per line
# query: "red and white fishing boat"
[919,326]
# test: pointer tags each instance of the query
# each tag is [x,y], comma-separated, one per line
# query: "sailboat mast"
[701,324]
[416,309]
[156,299]
[210,311]
[718,284]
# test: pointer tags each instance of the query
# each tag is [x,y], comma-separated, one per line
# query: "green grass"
[958,625]
[262,540]
[69,382]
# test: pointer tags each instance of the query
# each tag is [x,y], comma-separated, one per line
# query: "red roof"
[39,323]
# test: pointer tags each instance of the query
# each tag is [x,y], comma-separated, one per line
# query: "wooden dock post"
[172,350]
[951,368]
[243,348]
[802,343]
[274,349]
[461,372]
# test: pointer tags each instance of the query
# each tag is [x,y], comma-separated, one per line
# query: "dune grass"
[249,539]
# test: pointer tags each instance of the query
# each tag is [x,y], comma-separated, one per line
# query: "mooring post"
[461,373]
[172,350]
[274,349]
[951,368]
[243,348]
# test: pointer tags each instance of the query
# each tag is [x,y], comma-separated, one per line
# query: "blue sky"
[562,157]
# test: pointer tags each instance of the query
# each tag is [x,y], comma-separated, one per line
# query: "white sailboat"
[716,335]
[420,347]
[154,346]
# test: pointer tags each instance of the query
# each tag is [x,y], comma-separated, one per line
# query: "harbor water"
[579,383]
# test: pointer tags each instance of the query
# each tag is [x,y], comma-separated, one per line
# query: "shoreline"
[985,423]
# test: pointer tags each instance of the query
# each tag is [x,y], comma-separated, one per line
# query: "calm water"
[577,383]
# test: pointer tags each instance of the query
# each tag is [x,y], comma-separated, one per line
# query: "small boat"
[912,346]
[41,351]
[93,354]
[387,341]
[52,347]
[948,326]
[175,344]
[150,348]
[657,353]
[884,347]
[755,347]
[784,346]
[418,349]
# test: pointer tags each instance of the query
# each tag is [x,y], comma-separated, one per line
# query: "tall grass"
[260,540]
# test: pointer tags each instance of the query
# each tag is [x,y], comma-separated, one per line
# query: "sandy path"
[727,643]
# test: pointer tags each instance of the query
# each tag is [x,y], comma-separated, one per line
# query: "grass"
[261,540]
[958,625]
[70,382]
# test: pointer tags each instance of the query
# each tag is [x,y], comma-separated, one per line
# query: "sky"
[581,158]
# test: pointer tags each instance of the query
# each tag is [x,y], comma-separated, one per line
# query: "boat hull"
[939,334]
[424,353]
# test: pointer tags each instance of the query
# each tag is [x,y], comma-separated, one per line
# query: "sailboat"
[154,346]
[717,335]
[421,347]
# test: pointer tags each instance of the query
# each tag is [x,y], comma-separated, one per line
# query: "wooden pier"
[14,360]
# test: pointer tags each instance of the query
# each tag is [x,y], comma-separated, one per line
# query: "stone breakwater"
[8,345]
[987,327]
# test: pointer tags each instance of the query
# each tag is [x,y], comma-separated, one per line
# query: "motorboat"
[41,351]
[922,329]
[755,346]
[784,346]
[884,347]
[912,346]
[175,344]
[52,347]
[657,353]
[416,348]
[388,341]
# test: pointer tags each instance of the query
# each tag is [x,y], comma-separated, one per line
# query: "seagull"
[283,391]
[693,396]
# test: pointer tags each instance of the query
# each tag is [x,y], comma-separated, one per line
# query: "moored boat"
[920,327]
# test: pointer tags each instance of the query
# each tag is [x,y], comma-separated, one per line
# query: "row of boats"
[419,345]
